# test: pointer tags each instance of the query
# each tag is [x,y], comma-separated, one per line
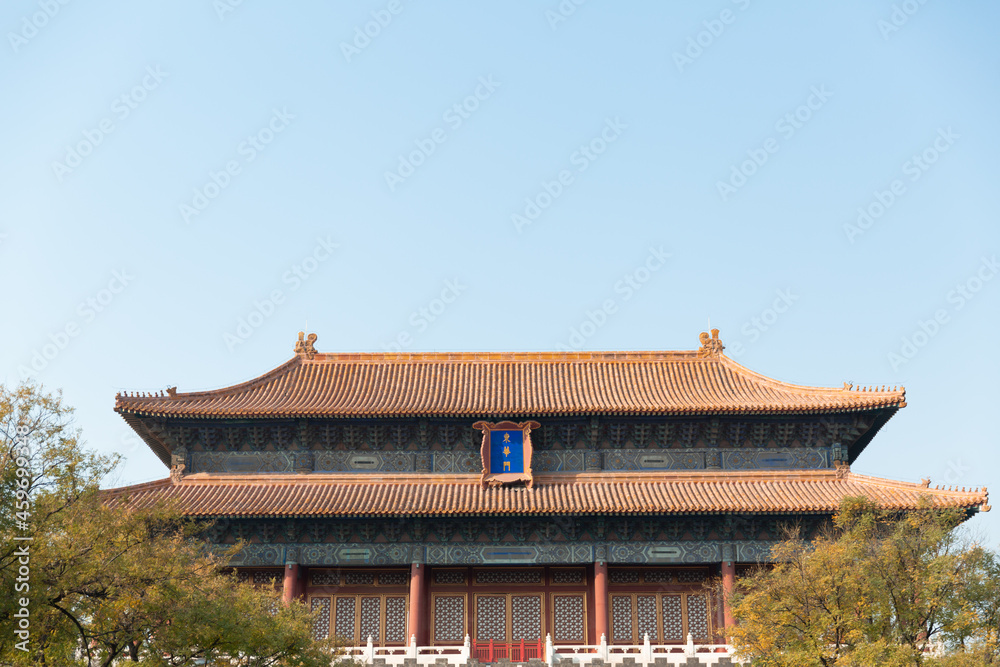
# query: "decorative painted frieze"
[543,461]
[360,553]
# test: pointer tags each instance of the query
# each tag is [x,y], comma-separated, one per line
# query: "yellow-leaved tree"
[879,588]
[85,581]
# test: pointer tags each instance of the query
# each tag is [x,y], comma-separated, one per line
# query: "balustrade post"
[689,649]
[647,650]
[466,649]
[550,653]
[602,652]
[412,651]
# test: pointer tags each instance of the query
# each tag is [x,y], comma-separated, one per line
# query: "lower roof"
[402,495]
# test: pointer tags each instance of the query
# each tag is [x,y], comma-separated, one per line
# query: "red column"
[601,602]
[417,572]
[728,581]
[290,589]
[303,582]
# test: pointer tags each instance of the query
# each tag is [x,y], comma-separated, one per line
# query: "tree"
[972,621]
[108,581]
[875,589]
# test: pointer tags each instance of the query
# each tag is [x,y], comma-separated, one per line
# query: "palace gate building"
[510,496]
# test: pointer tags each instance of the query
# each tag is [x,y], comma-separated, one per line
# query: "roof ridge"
[900,484]
[222,391]
[485,356]
[846,389]
[143,486]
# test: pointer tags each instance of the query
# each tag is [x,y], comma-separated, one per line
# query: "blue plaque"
[506,451]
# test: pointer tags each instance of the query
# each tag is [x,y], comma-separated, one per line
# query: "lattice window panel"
[621,619]
[395,620]
[243,577]
[449,615]
[567,576]
[658,577]
[343,624]
[371,609]
[321,626]
[325,578]
[691,576]
[491,618]
[359,579]
[264,577]
[673,621]
[449,577]
[525,617]
[646,617]
[393,578]
[567,617]
[623,576]
[697,613]
[508,577]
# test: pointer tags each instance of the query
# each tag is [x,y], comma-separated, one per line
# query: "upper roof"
[702,492]
[508,384]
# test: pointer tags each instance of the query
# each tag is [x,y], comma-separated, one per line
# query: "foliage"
[877,588]
[111,582]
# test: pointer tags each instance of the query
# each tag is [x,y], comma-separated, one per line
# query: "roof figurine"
[304,345]
[710,346]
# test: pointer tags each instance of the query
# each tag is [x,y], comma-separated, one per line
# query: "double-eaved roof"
[521,384]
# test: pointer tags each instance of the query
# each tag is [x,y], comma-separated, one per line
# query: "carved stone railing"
[562,655]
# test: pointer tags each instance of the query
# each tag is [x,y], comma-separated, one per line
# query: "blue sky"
[187,185]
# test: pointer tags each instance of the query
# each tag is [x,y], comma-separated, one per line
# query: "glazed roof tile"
[204,495]
[507,384]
